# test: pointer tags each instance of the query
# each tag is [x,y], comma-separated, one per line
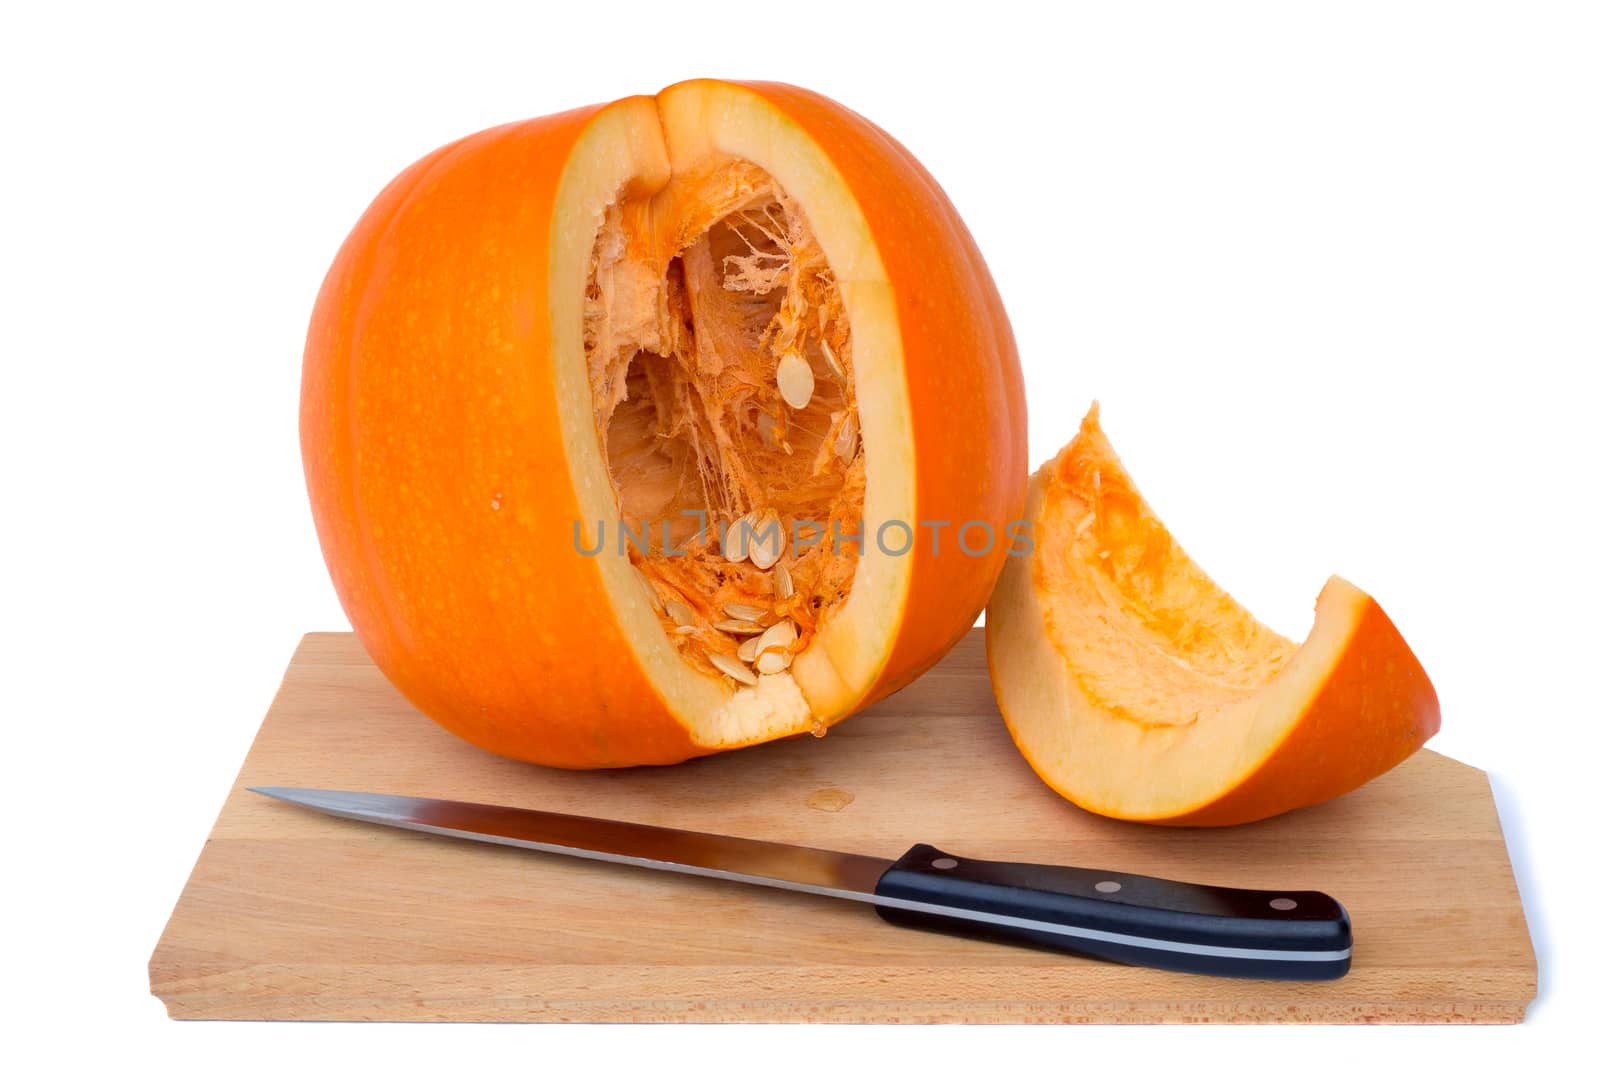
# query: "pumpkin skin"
[449,447]
[1138,689]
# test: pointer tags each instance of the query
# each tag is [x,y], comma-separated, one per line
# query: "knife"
[1105,915]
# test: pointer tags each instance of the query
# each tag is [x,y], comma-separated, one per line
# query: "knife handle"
[1123,918]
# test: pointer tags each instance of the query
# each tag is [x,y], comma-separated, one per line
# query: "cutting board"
[294,915]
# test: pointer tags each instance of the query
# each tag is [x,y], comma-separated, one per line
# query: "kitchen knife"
[1123,918]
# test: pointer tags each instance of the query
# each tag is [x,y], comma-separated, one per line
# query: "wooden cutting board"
[293,915]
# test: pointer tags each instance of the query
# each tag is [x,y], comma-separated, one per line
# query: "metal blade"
[737,859]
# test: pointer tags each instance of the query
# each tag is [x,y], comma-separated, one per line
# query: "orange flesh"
[1138,689]
[695,296]
[1148,634]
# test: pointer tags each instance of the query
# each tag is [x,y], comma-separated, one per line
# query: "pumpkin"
[625,429]
[1139,689]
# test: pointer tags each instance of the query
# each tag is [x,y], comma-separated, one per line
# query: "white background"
[1332,272]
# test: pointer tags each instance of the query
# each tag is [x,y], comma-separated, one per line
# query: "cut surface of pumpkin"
[1139,689]
[603,413]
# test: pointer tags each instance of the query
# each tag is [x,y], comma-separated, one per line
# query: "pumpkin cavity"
[720,364]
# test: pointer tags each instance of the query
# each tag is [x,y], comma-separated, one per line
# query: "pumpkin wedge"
[1138,689]
[616,422]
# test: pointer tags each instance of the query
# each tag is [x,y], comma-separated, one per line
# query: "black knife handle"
[1123,918]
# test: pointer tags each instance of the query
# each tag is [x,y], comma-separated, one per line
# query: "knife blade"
[1105,915]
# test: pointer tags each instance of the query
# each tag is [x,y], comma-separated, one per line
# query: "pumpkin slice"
[615,424]
[1138,689]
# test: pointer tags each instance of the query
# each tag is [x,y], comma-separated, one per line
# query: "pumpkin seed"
[747,612]
[773,660]
[795,381]
[779,635]
[767,541]
[736,546]
[732,668]
[747,650]
[833,360]
[738,626]
[782,581]
[844,443]
[679,613]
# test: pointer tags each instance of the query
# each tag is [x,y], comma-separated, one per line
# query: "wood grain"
[293,915]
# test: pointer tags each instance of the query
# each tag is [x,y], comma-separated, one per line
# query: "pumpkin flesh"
[1138,688]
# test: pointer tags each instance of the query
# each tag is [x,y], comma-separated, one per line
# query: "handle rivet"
[1282,904]
[943,863]
[1107,887]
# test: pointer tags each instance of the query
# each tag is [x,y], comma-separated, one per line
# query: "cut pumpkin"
[1139,689]
[604,416]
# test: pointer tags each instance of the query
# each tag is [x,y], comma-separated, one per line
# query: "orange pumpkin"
[1139,689]
[548,349]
